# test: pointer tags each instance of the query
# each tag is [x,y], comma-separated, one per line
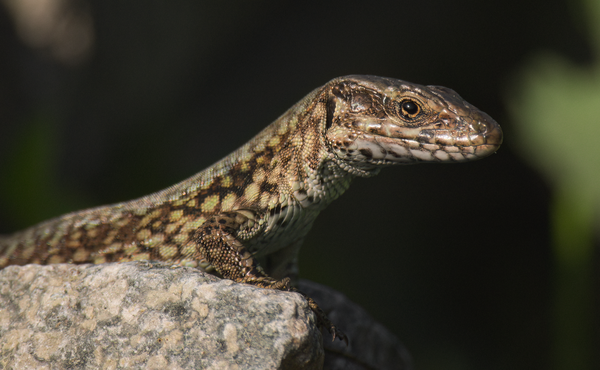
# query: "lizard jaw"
[384,143]
[476,139]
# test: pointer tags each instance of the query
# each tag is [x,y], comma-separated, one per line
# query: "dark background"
[454,259]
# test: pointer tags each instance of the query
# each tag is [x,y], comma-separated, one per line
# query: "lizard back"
[266,195]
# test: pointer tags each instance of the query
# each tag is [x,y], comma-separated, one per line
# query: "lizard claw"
[268,283]
[323,320]
[336,333]
[284,284]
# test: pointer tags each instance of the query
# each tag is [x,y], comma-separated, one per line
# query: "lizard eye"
[409,109]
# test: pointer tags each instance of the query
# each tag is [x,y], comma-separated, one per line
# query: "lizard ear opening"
[330,105]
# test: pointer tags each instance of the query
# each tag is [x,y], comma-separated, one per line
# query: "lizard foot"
[268,283]
[322,319]
[284,284]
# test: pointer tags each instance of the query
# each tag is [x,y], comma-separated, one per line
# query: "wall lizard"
[254,207]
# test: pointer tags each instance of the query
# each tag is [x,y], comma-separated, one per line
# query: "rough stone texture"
[151,316]
[141,315]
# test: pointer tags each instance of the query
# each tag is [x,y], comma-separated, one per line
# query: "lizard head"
[374,122]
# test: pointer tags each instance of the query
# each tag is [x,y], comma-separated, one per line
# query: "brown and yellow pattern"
[258,203]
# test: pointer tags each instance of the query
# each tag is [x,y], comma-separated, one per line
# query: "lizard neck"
[286,162]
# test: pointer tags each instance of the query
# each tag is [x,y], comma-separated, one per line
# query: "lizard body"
[258,203]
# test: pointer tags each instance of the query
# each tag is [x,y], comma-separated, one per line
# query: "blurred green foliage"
[554,104]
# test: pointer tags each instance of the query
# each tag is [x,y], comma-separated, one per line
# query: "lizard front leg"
[232,260]
[227,254]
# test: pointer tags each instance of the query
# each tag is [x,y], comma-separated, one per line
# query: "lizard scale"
[254,207]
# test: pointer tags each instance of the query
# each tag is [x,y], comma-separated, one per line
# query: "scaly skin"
[258,203]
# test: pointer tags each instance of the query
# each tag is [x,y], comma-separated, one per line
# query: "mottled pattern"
[258,203]
[150,316]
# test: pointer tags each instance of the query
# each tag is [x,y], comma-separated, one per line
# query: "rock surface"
[152,316]
[141,315]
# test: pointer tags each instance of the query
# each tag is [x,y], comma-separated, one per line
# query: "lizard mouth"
[394,145]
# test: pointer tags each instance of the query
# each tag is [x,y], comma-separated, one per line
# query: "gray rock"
[142,315]
[152,316]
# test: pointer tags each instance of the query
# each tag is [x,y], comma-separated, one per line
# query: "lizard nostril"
[479,127]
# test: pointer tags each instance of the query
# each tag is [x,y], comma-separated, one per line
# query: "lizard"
[253,208]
